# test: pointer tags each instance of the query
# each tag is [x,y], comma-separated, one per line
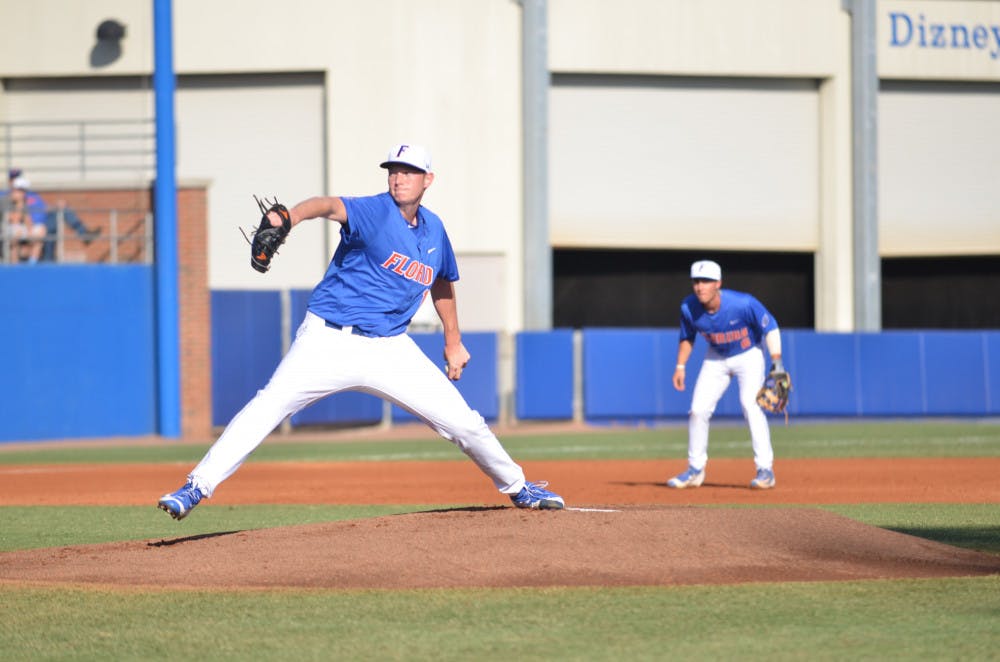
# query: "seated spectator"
[24,222]
[71,219]
[69,216]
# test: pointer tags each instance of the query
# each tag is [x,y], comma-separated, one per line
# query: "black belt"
[354,330]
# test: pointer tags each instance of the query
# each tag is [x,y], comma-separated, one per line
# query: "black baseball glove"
[773,395]
[267,237]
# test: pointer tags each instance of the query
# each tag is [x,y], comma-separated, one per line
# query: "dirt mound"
[504,546]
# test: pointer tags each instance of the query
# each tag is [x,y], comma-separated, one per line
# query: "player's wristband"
[680,366]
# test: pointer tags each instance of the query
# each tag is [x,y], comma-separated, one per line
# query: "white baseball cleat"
[690,478]
[764,480]
[536,497]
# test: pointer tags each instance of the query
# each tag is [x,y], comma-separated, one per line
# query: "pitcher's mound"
[503,546]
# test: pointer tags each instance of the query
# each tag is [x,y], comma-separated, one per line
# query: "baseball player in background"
[734,324]
[392,252]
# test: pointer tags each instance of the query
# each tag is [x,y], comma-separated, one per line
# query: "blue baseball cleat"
[690,478]
[764,479]
[535,496]
[178,504]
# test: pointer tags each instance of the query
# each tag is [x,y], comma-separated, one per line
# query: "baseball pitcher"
[392,251]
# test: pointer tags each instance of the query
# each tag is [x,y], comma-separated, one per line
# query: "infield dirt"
[630,529]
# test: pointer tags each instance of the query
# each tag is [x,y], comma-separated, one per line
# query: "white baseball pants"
[322,361]
[713,380]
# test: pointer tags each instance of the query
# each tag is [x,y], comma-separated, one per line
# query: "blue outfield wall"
[478,384]
[236,340]
[242,361]
[81,362]
[79,352]
[544,366]
[626,373]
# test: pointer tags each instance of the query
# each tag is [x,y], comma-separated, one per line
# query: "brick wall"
[122,236]
[92,205]
[195,313]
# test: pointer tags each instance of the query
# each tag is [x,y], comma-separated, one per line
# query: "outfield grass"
[899,619]
[953,619]
[799,440]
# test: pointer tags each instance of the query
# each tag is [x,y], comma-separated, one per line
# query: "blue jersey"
[739,324]
[383,267]
[34,206]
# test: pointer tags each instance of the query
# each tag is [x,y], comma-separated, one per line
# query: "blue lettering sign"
[896,40]
[906,31]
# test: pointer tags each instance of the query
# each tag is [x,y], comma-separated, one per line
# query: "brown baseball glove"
[773,395]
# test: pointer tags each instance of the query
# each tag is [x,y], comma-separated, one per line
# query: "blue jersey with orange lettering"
[383,267]
[740,323]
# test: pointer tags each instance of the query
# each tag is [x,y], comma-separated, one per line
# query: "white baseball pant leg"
[323,361]
[417,384]
[713,380]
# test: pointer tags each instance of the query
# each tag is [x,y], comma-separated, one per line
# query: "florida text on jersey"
[741,322]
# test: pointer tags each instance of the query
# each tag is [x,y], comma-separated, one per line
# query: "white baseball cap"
[21,183]
[706,269]
[411,155]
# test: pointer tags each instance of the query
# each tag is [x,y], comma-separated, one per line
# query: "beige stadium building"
[585,151]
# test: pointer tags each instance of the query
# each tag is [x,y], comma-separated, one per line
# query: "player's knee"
[465,429]
[274,398]
[472,424]
[749,406]
[701,414]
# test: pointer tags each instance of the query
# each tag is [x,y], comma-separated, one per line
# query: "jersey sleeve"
[449,265]
[761,316]
[687,330]
[362,215]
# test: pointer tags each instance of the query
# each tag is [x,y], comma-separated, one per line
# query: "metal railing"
[79,149]
[122,236]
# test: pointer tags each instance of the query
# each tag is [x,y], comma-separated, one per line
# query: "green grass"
[911,619]
[28,527]
[899,619]
[798,440]
[975,526]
